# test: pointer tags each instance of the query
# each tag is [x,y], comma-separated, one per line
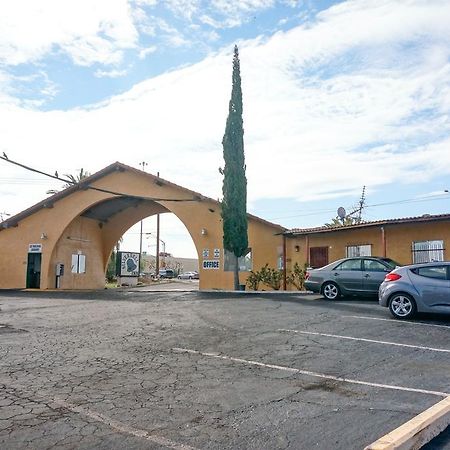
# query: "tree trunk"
[236,273]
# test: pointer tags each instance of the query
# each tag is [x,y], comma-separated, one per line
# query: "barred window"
[353,251]
[427,251]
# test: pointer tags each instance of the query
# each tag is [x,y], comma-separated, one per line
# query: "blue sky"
[337,95]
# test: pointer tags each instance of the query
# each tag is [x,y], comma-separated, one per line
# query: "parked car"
[349,276]
[188,275]
[166,273]
[417,288]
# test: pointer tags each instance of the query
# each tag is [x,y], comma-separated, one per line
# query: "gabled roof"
[87,182]
[405,220]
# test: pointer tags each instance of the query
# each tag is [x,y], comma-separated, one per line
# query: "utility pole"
[157,242]
[143,164]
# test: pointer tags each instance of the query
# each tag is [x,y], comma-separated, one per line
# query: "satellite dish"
[341,212]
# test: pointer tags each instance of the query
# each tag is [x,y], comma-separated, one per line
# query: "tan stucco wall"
[96,240]
[398,241]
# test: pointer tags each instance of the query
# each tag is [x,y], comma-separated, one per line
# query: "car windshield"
[391,263]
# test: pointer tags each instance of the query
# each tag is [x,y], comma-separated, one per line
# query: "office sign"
[211,264]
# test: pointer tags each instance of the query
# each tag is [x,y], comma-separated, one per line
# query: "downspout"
[383,241]
[284,263]
[307,248]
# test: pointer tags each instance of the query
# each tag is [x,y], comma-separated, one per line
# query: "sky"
[337,95]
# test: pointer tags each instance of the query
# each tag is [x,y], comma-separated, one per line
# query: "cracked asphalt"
[154,370]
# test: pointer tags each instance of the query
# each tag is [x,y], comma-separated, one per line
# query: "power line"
[107,191]
[442,196]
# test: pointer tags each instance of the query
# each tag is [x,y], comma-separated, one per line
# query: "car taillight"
[306,275]
[392,277]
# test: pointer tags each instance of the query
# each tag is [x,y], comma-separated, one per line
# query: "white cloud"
[359,97]
[143,53]
[110,73]
[86,31]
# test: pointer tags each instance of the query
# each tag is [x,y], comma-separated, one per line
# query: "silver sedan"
[417,288]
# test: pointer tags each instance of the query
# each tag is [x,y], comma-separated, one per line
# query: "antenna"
[362,200]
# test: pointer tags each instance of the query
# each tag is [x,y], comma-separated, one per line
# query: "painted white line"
[121,427]
[373,341]
[309,373]
[401,321]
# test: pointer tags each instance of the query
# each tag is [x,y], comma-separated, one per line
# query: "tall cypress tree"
[234,204]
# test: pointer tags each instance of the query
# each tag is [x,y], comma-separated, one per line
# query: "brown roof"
[117,166]
[324,229]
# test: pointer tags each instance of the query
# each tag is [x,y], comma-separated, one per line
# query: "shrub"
[297,276]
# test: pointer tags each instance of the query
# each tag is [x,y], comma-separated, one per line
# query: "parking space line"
[309,373]
[401,321]
[373,341]
[121,427]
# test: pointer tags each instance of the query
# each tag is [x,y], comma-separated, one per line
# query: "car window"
[391,263]
[371,265]
[351,264]
[439,272]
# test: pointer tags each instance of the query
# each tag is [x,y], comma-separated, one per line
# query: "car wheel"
[331,291]
[402,306]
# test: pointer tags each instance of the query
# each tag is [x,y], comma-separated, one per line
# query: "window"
[439,272]
[371,265]
[78,264]
[245,262]
[359,250]
[427,251]
[351,264]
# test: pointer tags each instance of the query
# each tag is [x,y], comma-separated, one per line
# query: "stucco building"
[65,241]
[406,240]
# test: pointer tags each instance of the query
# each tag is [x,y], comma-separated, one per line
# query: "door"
[373,275]
[34,270]
[348,275]
[318,257]
[433,285]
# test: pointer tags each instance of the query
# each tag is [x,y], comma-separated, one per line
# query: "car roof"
[427,264]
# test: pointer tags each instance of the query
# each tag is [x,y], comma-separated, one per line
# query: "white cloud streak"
[360,96]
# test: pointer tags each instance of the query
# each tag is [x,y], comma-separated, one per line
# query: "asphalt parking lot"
[153,370]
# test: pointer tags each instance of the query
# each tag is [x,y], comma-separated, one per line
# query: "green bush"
[297,276]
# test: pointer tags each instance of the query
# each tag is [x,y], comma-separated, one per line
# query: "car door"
[348,275]
[373,275]
[433,285]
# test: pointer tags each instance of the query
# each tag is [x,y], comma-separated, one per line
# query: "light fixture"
[44,236]
[297,248]
[204,232]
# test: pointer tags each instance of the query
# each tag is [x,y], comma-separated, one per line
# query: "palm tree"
[73,179]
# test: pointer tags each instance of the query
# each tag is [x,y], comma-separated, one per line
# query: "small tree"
[234,203]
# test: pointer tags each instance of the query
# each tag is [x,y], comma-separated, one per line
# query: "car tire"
[331,291]
[402,306]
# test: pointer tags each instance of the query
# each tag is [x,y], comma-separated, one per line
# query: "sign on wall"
[205,253]
[217,253]
[35,248]
[211,264]
[127,264]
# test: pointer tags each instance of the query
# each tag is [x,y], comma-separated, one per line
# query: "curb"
[418,431]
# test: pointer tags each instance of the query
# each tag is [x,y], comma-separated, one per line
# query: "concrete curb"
[418,431]
[297,293]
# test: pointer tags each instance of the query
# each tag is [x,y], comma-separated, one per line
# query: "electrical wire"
[107,191]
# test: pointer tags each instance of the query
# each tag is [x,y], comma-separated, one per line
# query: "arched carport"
[88,219]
